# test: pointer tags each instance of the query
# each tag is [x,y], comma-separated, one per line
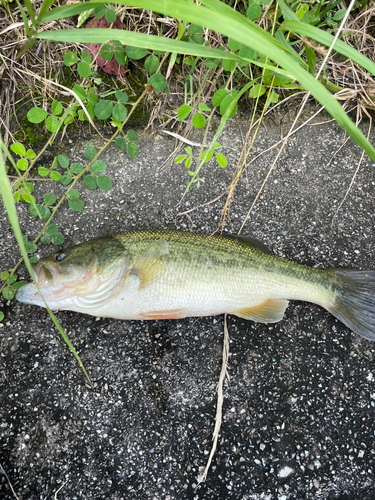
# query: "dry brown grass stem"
[182,139]
[220,398]
[10,484]
[357,31]
[60,488]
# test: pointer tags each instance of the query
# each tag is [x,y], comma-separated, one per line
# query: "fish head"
[75,272]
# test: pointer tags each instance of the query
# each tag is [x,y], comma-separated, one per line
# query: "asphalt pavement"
[299,404]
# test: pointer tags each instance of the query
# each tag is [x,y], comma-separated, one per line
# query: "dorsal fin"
[258,245]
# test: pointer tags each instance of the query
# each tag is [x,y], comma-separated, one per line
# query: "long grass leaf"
[30,10]
[24,18]
[152,42]
[103,35]
[223,19]
[6,192]
[69,10]
[45,6]
[180,9]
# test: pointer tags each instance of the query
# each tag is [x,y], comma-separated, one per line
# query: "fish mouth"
[54,296]
[44,287]
[29,294]
[44,274]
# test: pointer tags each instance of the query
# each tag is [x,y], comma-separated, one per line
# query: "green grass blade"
[180,9]
[330,6]
[7,195]
[45,6]
[325,38]
[69,10]
[24,18]
[10,158]
[68,343]
[6,192]
[30,10]
[103,35]
[223,121]
[287,12]
[152,42]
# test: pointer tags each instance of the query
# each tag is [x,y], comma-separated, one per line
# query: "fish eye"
[59,256]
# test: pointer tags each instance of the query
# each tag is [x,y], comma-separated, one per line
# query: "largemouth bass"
[169,274]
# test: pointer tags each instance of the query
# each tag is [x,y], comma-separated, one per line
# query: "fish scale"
[219,265]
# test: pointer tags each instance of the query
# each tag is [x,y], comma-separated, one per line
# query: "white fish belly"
[208,294]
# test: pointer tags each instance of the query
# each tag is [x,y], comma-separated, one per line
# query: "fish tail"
[354,301]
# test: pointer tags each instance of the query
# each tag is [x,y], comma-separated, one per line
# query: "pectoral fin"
[269,311]
[149,266]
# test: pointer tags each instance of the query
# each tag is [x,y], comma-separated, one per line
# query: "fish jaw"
[29,294]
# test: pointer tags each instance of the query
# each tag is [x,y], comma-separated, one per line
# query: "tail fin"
[354,302]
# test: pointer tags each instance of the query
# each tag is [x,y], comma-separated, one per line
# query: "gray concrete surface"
[298,416]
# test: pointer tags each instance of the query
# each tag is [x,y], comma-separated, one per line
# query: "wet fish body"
[155,274]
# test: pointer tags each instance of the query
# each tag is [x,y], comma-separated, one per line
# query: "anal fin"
[172,314]
[269,311]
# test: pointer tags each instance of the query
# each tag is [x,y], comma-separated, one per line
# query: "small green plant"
[101,107]
[42,210]
[95,179]
[10,286]
[20,150]
[52,123]
[84,68]
[51,235]
[204,157]
[106,12]
[65,173]
[226,102]
[199,119]
[9,291]
[88,104]
[127,142]
[105,108]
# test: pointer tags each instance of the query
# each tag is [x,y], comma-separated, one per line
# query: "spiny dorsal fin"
[149,265]
[269,311]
